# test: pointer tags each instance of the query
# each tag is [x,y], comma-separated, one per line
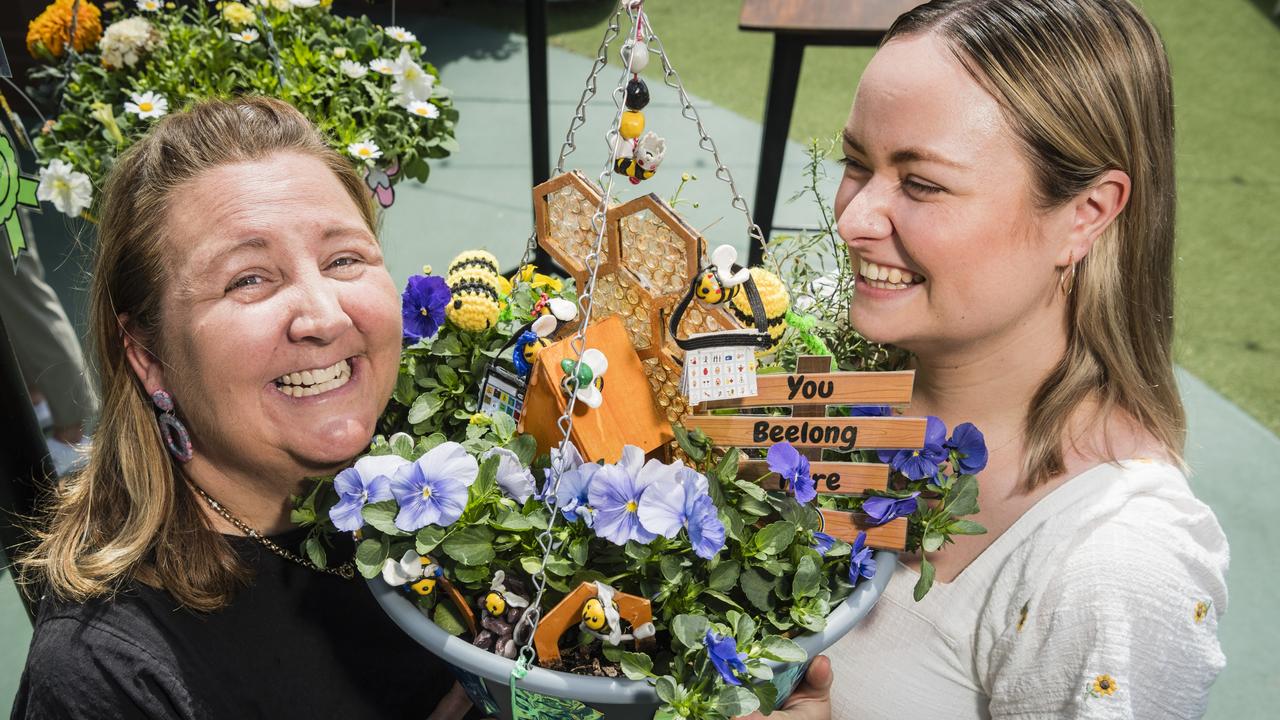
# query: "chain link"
[528,623]
[579,117]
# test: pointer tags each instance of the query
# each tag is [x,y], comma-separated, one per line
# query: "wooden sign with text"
[809,392]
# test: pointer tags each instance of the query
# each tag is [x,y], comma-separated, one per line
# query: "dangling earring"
[175,434]
[1067,275]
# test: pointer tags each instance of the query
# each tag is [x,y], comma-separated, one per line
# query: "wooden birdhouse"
[627,413]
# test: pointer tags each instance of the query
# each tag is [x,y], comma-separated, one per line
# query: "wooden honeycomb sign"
[809,392]
[648,256]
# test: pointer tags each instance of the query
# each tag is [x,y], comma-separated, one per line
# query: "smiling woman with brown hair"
[247,335]
[1008,199]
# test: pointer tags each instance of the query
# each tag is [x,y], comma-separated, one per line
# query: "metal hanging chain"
[528,623]
[672,79]
[579,116]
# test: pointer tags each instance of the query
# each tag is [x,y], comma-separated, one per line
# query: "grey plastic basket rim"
[463,654]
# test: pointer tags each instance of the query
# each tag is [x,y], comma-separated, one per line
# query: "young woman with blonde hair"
[1009,200]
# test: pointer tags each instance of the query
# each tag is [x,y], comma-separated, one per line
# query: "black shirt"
[296,643]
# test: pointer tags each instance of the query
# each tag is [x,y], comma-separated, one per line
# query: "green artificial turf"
[1226,67]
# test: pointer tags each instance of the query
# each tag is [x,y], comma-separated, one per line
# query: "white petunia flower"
[412,82]
[365,150]
[395,32]
[246,36]
[68,190]
[352,69]
[423,109]
[150,5]
[123,43]
[382,66]
[147,105]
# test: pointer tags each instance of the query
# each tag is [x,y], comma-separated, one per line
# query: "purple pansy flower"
[573,496]
[861,562]
[725,656]
[822,542]
[369,481]
[970,448]
[422,306]
[433,489]
[785,460]
[683,502]
[883,509]
[870,411]
[923,463]
[615,491]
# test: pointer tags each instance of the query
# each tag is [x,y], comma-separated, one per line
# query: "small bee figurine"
[588,382]
[593,615]
[600,619]
[722,281]
[500,610]
[644,159]
[431,574]
[555,314]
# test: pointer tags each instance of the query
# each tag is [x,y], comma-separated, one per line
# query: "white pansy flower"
[423,109]
[150,5]
[123,43]
[352,69]
[147,105]
[382,66]
[395,32]
[366,151]
[304,3]
[412,82]
[69,191]
[246,36]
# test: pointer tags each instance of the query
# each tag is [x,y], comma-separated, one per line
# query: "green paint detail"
[532,705]
[15,189]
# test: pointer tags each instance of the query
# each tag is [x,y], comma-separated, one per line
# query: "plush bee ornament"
[585,380]
[601,620]
[776,301]
[500,610]
[554,315]
[643,160]
[722,281]
[474,281]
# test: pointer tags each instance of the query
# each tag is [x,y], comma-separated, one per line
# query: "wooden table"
[796,24]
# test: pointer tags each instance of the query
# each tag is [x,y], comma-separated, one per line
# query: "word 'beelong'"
[806,433]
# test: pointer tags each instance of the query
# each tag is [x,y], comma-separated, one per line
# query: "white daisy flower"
[382,66]
[365,150]
[150,5]
[352,69]
[412,82]
[423,109]
[68,190]
[246,36]
[147,105]
[395,32]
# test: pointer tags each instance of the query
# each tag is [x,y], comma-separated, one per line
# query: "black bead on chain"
[637,94]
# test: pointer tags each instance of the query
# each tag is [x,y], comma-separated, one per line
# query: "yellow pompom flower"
[1103,686]
[237,14]
[48,33]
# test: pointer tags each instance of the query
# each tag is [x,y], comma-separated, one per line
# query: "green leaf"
[926,579]
[512,521]
[932,540]
[735,700]
[666,687]
[448,376]
[637,666]
[725,575]
[465,574]
[370,555]
[525,447]
[722,598]
[315,551]
[758,589]
[776,647]
[966,527]
[486,481]
[766,693]
[382,515]
[579,551]
[671,568]
[471,545]
[428,538]
[751,489]
[402,445]
[503,426]
[808,577]
[636,551]
[775,537]
[963,498]
[696,451]
[424,406]
[690,630]
[446,616]
[531,565]
[744,626]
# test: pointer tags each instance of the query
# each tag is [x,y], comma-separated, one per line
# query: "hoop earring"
[176,437]
[1067,276]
